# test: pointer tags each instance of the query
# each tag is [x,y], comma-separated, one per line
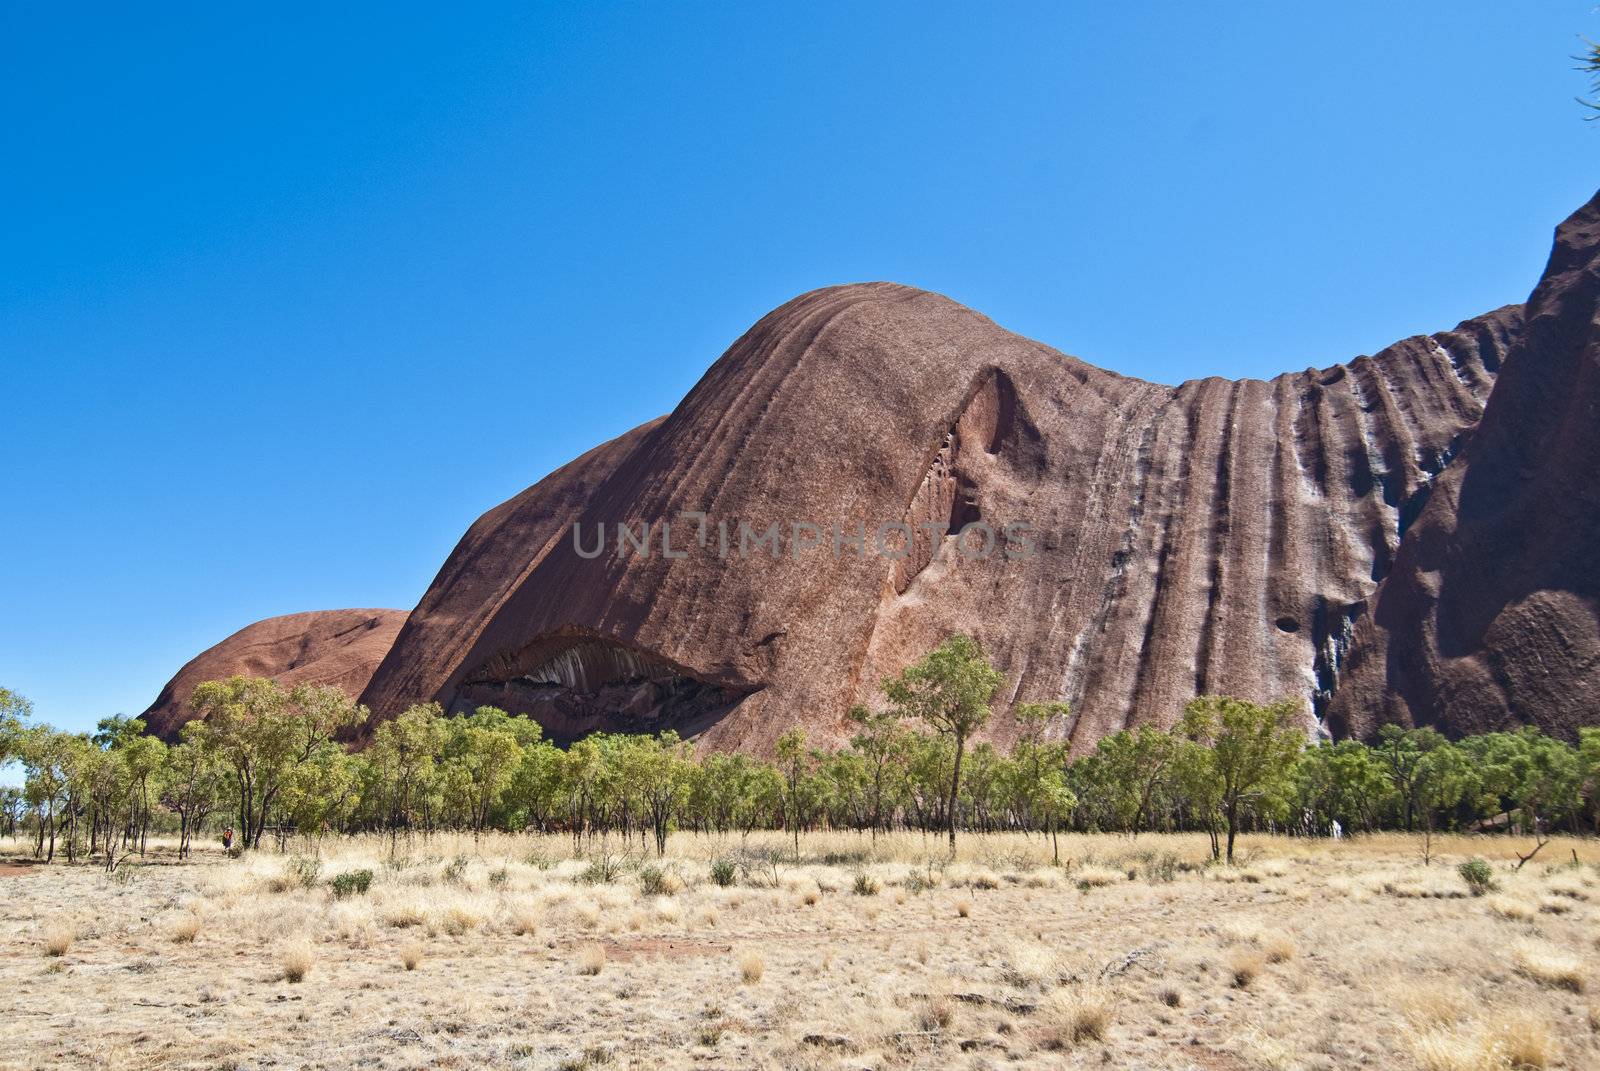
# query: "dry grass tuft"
[1074,1015]
[591,959]
[1550,966]
[411,955]
[1244,964]
[1030,963]
[186,927]
[964,908]
[296,958]
[1524,1039]
[1278,946]
[751,967]
[936,1012]
[1427,1005]
[523,918]
[1093,877]
[1509,907]
[58,937]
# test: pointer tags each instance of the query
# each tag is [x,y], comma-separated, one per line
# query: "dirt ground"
[505,953]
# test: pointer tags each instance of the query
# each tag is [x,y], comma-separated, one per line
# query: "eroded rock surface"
[1491,617]
[1217,536]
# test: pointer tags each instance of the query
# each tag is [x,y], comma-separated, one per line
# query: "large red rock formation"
[1218,536]
[339,647]
[1213,537]
[1491,617]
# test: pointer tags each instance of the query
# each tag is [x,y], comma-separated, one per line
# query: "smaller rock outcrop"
[338,647]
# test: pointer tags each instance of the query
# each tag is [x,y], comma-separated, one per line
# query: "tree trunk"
[955,788]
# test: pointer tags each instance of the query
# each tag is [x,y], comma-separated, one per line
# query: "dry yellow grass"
[296,957]
[1550,966]
[751,967]
[58,938]
[1357,954]
[591,959]
[1075,1014]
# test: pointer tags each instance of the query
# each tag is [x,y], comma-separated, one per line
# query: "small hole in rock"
[1288,624]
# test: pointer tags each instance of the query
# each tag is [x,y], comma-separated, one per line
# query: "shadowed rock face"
[338,647]
[1491,617]
[1218,536]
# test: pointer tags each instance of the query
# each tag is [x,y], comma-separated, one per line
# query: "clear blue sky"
[287,300]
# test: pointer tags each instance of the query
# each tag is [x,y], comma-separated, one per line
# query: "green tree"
[949,690]
[263,733]
[15,711]
[880,741]
[1251,749]
[193,784]
[1138,763]
[794,767]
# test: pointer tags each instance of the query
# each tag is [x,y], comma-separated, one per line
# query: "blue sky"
[286,300]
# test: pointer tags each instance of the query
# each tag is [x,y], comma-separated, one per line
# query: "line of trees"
[267,760]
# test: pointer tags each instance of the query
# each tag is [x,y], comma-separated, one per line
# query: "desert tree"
[949,690]
[400,765]
[1137,764]
[194,782]
[15,711]
[1039,762]
[264,733]
[1246,752]
[881,742]
[795,764]
[657,769]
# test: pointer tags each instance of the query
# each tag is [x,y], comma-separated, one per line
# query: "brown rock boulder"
[339,647]
[1217,536]
[1491,618]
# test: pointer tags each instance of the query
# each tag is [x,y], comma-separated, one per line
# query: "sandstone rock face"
[339,647]
[1491,617]
[1148,542]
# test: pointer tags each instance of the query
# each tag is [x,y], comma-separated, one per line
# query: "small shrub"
[58,937]
[1171,997]
[455,870]
[751,967]
[591,959]
[724,872]
[654,881]
[296,958]
[602,870]
[964,908]
[498,879]
[351,883]
[303,872]
[866,885]
[1478,875]
[411,955]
